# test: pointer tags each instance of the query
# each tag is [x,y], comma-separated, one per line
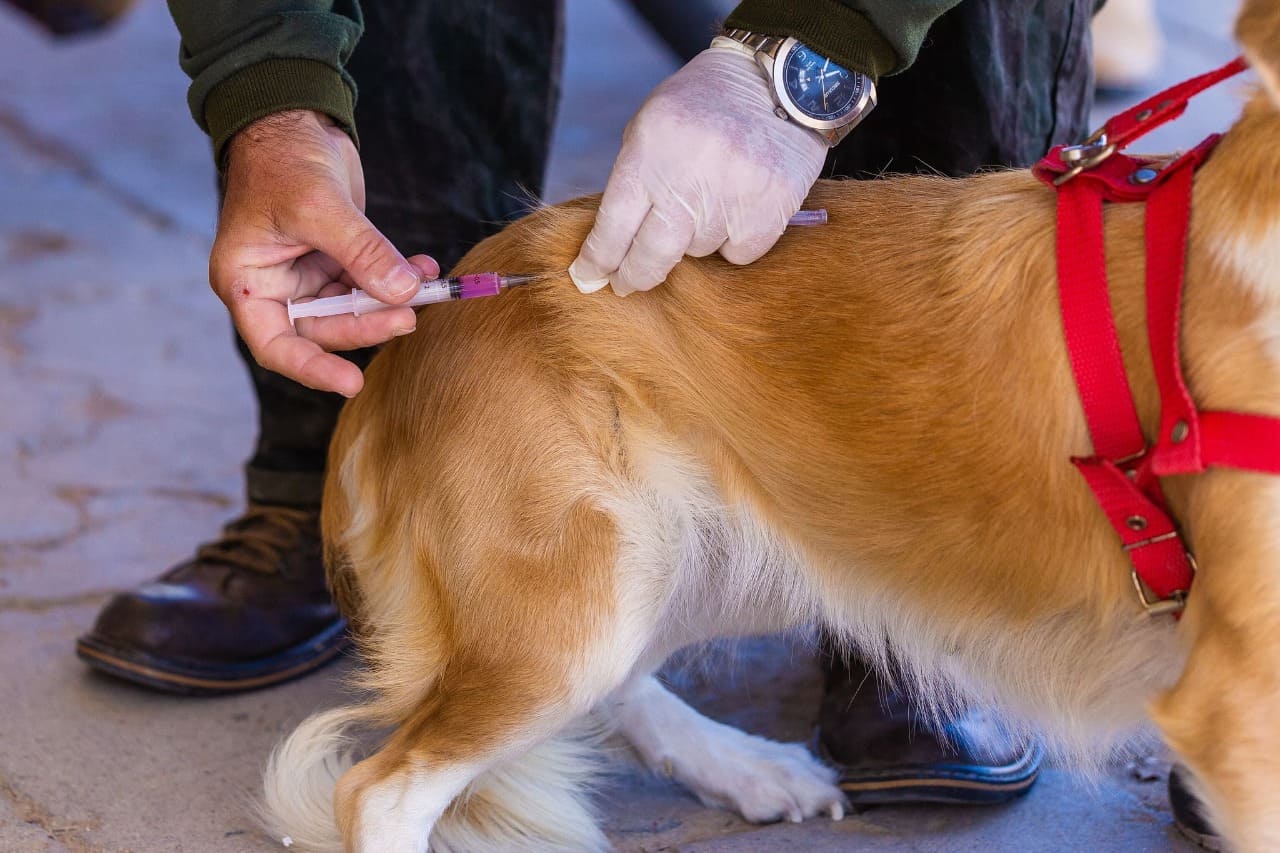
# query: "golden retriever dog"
[538,498]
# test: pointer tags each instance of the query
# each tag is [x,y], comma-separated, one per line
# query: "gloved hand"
[292,225]
[705,165]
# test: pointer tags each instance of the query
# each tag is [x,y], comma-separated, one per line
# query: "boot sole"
[186,680]
[955,784]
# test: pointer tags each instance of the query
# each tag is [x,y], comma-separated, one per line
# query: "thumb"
[368,257]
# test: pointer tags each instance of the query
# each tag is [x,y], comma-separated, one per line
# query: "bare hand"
[292,226]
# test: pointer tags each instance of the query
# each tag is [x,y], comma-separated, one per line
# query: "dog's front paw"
[760,779]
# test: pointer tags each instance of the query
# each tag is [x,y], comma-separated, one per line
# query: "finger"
[344,332]
[364,253]
[622,209]
[317,274]
[754,229]
[280,349]
[316,265]
[658,247]
[347,332]
[264,326]
[749,247]
[425,265]
[333,288]
[303,361]
[710,235]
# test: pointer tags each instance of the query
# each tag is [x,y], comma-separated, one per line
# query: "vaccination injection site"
[637,425]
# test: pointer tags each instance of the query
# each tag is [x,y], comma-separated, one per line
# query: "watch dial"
[818,86]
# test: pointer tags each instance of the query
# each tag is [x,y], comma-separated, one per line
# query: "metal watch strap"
[755,42]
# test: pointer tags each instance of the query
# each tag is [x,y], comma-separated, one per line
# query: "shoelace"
[255,540]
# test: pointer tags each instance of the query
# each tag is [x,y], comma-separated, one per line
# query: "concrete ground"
[124,418]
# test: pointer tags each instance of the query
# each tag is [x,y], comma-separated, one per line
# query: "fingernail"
[398,332]
[401,282]
[586,285]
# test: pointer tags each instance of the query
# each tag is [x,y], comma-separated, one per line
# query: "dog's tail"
[537,801]
[297,786]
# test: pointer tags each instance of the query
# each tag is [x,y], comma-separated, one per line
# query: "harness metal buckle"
[1175,603]
[1084,156]
[1132,464]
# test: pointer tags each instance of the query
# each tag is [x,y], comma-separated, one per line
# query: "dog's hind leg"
[725,767]
[480,737]
[531,643]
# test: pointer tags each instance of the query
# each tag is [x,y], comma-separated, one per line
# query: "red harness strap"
[1125,469]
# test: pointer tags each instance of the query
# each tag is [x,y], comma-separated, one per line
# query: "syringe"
[358,302]
[437,290]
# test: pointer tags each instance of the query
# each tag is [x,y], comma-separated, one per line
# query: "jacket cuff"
[827,26]
[273,86]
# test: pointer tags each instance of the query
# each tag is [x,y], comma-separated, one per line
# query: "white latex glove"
[705,165]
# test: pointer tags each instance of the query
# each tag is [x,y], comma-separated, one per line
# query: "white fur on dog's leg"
[398,813]
[760,779]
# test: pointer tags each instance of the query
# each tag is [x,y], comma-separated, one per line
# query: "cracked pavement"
[125,416]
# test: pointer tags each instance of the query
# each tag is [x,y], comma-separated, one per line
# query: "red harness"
[1125,469]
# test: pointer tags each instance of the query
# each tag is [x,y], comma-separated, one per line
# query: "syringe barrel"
[443,290]
[429,292]
[329,306]
[479,284]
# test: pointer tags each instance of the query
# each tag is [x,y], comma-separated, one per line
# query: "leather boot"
[886,753]
[248,611]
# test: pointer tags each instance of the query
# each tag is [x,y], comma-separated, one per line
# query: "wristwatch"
[810,89]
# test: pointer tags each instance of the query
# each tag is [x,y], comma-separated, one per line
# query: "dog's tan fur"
[539,497]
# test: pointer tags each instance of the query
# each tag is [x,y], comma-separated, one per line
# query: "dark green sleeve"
[876,37]
[250,58]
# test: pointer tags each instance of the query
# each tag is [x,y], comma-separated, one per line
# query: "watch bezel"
[864,103]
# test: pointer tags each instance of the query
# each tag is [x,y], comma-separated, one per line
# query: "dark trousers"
[456,104]
[457,101]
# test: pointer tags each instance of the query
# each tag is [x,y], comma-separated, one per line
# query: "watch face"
[819,87]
